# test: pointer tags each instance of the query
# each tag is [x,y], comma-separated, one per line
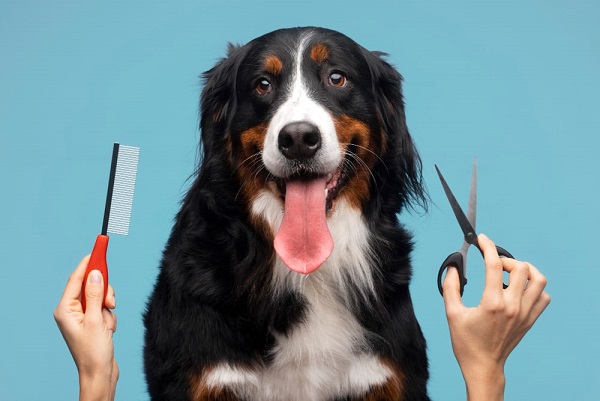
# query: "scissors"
[467,224]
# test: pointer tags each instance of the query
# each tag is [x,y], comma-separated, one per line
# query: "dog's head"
[313,119]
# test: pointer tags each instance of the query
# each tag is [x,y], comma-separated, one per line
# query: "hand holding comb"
[117,211]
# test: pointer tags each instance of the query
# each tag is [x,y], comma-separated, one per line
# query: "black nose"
[299,140]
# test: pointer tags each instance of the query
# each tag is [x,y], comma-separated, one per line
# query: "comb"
[117,210]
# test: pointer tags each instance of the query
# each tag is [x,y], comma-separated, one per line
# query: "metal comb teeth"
[119,199]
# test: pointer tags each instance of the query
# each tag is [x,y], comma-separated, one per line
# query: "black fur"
[212,301]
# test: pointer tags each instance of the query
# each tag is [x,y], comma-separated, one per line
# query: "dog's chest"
[319,359]
[325,355]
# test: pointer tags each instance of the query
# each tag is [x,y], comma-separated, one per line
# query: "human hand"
[483,336]
[89,335]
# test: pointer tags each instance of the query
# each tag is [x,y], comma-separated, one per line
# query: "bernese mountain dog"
[286,274]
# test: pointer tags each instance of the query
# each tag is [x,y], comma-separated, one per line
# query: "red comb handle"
[97,262]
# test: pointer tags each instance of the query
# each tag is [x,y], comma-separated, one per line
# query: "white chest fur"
[317,361]
[323,356]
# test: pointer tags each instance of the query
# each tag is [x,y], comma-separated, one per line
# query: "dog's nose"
[299,140]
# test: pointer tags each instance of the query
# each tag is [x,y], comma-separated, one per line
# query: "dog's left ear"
[218,100]
[402,159]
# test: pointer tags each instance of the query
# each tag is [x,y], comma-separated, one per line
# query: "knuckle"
[451,313]
[543,281]
[546,298]
[495,264]
[512,311]
[523,267]
[495,306]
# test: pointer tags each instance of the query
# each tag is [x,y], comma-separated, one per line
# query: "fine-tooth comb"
[117,211]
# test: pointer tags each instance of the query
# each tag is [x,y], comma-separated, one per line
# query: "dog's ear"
[218,100]
[403,163]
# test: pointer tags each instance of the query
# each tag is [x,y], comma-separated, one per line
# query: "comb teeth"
[119,200]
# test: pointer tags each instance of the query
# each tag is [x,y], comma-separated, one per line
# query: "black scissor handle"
[454,259]
[503,252]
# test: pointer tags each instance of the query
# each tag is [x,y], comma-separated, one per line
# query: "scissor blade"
[463,222]
[472,206]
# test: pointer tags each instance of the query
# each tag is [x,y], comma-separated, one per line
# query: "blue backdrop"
[515,83]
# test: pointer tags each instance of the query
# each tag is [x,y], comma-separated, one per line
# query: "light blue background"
[515,83]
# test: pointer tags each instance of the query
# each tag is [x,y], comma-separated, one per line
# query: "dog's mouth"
[334,182]
[303,240]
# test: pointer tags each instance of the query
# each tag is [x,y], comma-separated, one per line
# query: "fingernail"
[95,277]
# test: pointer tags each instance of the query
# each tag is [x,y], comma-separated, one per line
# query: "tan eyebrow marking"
[273,65]
[319,53]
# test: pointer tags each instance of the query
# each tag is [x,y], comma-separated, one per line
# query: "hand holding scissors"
[467,224]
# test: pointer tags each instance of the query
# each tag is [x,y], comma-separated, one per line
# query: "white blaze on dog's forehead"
[300,106]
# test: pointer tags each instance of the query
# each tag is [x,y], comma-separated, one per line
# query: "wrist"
[485,385]
[98,387]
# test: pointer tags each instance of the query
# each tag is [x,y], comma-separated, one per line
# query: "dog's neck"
[350,266]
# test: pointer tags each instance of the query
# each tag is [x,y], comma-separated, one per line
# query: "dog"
[286,274]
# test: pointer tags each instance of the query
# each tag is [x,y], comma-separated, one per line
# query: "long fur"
[226,317]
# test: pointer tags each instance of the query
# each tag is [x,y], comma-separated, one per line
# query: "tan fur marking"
[319,53]
[352,131]
[199,391]
[273,65]
[391,390]
[247,163]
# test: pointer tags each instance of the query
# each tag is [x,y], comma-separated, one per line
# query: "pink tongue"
[303,241]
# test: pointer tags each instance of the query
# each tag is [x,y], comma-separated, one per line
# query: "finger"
[535,287]
[451,291]
[110,319]
[73,287]
[493,267]
[110,301]
[94,294]
[539,307]
[519,273]
[537,282]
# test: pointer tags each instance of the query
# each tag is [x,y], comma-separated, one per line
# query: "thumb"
[451,291]
[94,292]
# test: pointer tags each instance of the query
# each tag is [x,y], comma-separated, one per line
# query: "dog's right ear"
[218,100]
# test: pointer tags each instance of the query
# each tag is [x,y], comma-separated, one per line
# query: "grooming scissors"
[467,224]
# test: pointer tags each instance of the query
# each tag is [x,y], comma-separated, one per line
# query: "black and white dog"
[286,275]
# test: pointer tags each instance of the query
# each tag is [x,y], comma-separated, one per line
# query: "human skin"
[484,336]
[89,335]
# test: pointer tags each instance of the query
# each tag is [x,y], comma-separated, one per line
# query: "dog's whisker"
[255,169]
[362,164]
[250,159]
[369,151]
[254,165]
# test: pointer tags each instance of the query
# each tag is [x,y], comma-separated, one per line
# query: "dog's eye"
[337,79]
[263,87]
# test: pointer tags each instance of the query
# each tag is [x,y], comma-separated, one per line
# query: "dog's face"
[305,104]
[305,107]
[309,116]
